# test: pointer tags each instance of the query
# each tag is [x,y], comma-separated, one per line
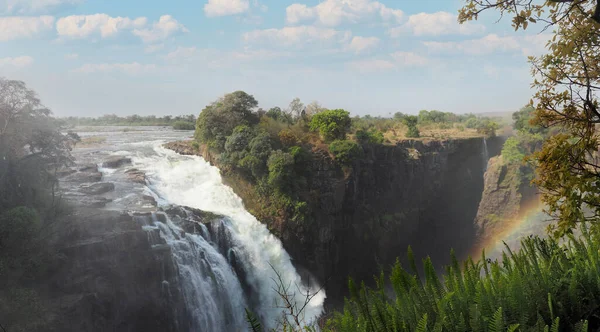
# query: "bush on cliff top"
[331,124]
[345,151]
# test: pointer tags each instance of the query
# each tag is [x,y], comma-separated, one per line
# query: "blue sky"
[94,57]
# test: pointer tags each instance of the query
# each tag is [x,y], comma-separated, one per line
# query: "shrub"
[195,145]
[372,136]
[345,151]
[331,124]
[184,125]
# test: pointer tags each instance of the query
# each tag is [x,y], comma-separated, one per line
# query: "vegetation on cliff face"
[567,82]
[32,148]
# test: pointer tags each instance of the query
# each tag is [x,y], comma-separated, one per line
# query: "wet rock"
[149,199]
[88,168]
[94,201]
[82,177]
[64,172]
[135,175]
[97,188]
[116,162]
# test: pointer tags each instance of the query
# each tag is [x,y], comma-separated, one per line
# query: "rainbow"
[530,221]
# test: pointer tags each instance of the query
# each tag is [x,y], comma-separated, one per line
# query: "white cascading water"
[212,291]
[485,154]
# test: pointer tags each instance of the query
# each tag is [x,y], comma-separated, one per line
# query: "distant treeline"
[186,122]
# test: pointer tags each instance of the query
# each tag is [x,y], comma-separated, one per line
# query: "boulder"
[97,188]
[135,175]
[88,168]
[116,162]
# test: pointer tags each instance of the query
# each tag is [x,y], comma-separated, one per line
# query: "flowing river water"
[223,270]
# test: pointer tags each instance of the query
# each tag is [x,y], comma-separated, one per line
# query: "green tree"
[217,121]
[331,124]
[567,83]
[411,122]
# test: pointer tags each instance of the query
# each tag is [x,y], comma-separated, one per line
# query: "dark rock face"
[97,188]
[420,194]
[116,162]
[112,279]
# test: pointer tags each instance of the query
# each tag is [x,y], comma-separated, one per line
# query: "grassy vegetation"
[545,286]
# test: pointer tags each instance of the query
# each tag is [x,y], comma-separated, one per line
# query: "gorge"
[169,243]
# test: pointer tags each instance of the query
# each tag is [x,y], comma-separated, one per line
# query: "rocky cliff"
[507,193]
[420,193]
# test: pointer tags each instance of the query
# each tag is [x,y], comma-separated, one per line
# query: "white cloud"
[226,7]
[161,30]
[133,68]
[535,45]
[409,59]
[362,44]
[32,6]
[71,56]
[485,45]
[371,65]
[393,61]
[213,58]
[16,62]
[82,26]
[297,36]
[182,53]
[336,12]
[16,27]
[435,24]
[154,48]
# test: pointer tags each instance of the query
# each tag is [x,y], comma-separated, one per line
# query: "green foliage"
[195,145]
[511,151]
[331,124]
[277,114]
[345,152]
[281,171]
[217,121]
[184,125]
[534,289]
[372,136]
[487,127]
[411,122]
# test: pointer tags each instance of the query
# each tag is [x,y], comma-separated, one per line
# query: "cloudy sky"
[93,57]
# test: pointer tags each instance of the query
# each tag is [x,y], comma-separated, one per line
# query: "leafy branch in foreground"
[546,286]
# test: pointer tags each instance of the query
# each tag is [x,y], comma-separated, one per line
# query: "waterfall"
[485,154]
[227,266]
